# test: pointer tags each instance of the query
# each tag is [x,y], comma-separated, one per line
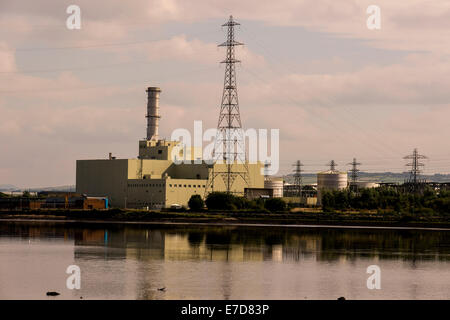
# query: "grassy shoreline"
[367,219]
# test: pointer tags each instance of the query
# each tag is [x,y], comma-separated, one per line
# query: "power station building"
[154,180]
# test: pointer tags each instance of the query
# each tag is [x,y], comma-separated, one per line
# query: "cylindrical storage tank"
[153,113]
[276,184]
[330,180]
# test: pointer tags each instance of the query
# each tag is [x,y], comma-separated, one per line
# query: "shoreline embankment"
[223,218]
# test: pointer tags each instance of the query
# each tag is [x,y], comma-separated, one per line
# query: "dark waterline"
[132,261]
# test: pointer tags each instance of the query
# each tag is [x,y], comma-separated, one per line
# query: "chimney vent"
[153,113]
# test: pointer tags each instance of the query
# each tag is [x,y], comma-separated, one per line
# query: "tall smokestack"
[153,113]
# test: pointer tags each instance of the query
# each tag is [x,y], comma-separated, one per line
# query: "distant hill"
[390,177]
[10,187]
[70,188]
[7,187]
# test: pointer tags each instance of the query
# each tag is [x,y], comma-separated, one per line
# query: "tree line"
[230,202]
[387,198]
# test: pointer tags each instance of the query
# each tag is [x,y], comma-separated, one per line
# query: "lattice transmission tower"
[298,178]
[332,165]
[229,146]
[354,175]
[415,164]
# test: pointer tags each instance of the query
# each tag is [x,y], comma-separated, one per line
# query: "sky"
[311,68]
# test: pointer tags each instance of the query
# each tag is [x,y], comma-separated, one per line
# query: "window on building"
[159,151]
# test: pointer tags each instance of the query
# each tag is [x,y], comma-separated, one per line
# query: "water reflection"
[230,262]
[232,243]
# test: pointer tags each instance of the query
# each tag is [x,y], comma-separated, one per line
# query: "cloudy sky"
[334,88]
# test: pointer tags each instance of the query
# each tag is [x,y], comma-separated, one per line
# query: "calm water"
[214,262]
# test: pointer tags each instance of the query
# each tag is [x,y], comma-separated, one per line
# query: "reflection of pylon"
[415,164]
[229,144]
[298,178]
[354,175]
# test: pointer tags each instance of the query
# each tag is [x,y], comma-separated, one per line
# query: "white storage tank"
[367,185]
[276,184]
[330,180]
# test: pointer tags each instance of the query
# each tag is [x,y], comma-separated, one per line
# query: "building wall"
[179,191]
[188,171]
[158,150]
[138,183]
[149,169]
[143,193]
[166,150]
[256,177]
[103,178]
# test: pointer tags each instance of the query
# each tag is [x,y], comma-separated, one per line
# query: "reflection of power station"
[330,180]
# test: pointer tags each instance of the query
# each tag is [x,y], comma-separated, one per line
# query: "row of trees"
[387,198]
[226,201]
[25,194]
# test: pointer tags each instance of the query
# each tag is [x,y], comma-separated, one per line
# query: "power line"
[353,123]
[75,68]
[176,72]
[101,45]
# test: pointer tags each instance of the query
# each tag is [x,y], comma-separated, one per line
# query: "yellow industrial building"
[154,180]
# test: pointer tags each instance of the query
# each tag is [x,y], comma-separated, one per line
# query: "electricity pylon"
[354,175]
[298,178]
[415,164]
[229,146]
